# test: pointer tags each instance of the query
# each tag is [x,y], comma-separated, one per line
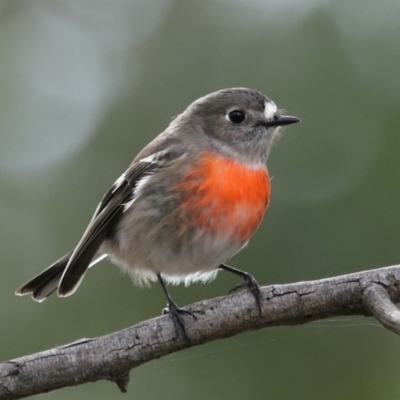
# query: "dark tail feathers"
[44,284]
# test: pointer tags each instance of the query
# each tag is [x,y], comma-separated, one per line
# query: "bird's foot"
[177,314]
[248,281]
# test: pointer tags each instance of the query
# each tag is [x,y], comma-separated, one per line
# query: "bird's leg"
[248,281]
[175,312]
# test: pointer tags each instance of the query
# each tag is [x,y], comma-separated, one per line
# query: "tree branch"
[111,357]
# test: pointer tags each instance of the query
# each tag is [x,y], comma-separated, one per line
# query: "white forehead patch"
[270,109]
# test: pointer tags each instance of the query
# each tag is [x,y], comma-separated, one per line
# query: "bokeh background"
[84,85]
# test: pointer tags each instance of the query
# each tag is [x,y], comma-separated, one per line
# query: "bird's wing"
[107,216]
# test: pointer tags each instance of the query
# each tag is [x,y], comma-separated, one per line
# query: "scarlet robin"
[189,201]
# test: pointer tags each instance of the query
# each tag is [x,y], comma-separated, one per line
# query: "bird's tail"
[43,285]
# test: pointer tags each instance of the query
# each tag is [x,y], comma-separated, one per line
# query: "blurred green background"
[85,85]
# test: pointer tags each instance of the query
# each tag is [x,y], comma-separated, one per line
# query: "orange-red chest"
[225,198]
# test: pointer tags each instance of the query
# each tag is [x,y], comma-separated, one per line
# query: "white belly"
[197,261]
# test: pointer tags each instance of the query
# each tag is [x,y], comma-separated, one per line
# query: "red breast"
[224,197]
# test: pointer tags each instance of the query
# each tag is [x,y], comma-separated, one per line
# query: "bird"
[188,202]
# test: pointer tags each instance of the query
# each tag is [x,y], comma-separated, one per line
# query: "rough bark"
[111,357]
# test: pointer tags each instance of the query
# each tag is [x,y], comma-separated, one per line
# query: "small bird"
[189,201]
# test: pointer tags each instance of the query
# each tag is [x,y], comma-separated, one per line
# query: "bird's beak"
[280,120]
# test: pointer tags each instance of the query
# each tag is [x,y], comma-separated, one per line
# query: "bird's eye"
[236,117]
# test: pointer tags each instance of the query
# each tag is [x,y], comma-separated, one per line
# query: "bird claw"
[250,282]
[176,314]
